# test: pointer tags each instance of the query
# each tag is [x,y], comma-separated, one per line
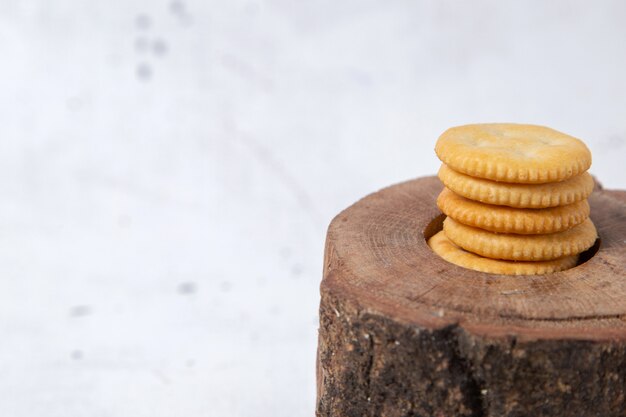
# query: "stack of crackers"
[515,198]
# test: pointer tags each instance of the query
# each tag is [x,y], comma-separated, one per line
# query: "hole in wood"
[589,253]
[436,225]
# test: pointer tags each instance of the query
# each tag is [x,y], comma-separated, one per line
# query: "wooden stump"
[404,333]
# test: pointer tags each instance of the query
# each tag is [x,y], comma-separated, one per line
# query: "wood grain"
[381,279]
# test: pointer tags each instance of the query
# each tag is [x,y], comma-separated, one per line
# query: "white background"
[168,169]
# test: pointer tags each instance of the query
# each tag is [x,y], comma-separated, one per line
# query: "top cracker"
[513,153]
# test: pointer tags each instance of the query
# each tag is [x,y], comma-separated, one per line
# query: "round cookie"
[518,195]
[514,153]
[445,248]
[521,247]
[502,219]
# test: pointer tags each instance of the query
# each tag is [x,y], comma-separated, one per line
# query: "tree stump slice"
[405,333]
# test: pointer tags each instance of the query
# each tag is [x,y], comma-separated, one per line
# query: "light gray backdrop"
[168,169]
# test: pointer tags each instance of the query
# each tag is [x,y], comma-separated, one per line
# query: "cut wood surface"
[405,333]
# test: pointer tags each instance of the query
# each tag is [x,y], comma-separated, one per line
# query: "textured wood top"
[377,253]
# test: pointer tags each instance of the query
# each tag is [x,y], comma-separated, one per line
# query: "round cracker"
[502,219]
[521,247]
[514,153]
[518,195]
[444,247]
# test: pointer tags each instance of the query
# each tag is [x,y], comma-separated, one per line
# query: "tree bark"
[404,333]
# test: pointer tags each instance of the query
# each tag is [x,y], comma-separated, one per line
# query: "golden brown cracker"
[518,195]
[445,248]
[502,219]
[521,247]
[514,153]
